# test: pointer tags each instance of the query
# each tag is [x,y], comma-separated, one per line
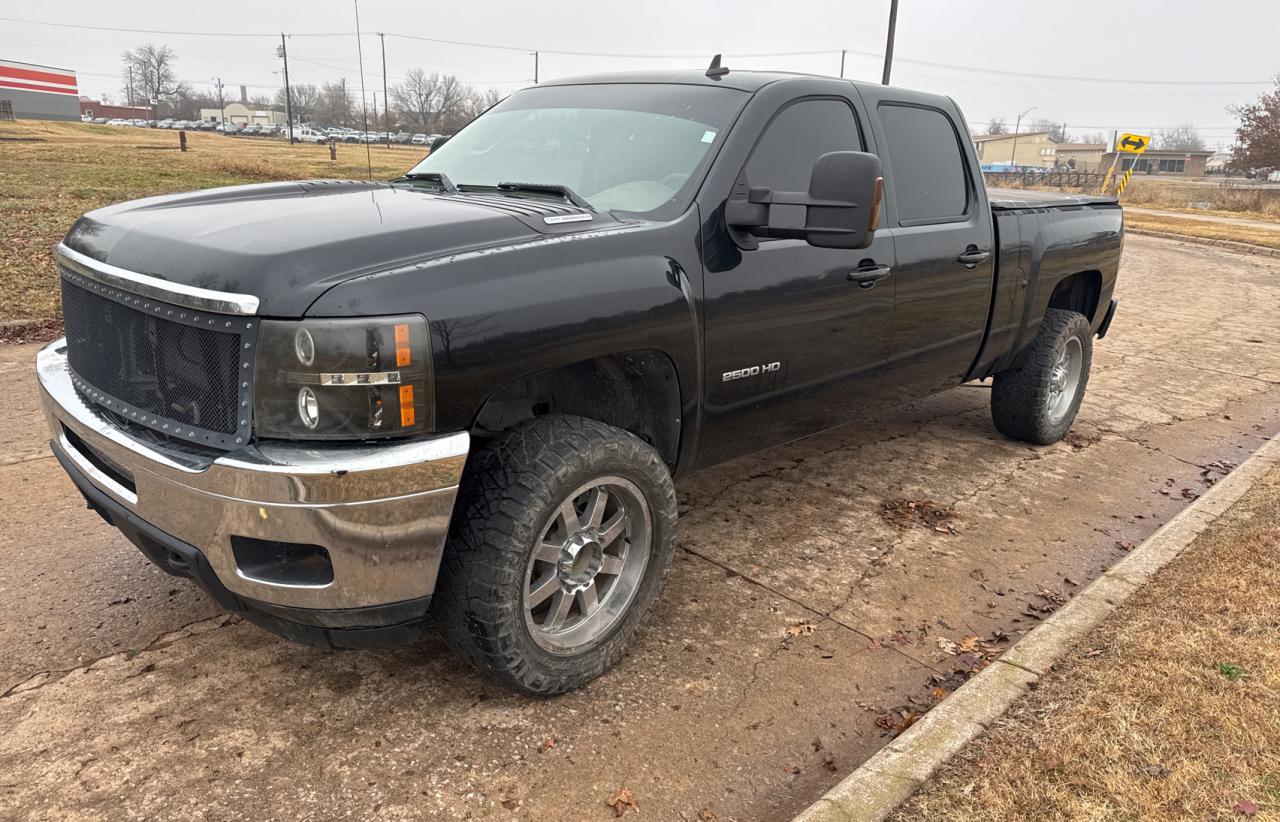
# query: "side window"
[929,176]
[800,134]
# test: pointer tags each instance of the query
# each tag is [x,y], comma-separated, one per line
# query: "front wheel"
[563,537]
[1036,399]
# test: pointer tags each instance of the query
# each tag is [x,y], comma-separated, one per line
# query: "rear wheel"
[563,536]
[1036,399]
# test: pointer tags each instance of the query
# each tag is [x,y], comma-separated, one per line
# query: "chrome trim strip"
[203,299]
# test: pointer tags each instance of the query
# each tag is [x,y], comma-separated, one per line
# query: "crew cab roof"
[748,81]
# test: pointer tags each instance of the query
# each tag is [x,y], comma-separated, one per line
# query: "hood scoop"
[540,215]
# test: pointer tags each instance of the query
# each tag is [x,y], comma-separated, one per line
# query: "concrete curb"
[885,780]
[1231,245]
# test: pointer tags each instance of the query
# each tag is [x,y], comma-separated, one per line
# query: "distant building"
[89,109]
[1217,162]
[33,92]
[1162,161]
[1035,149]
[1080,156]
[242,114]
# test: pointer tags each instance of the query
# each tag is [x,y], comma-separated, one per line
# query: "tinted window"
[800,134]
[928,169]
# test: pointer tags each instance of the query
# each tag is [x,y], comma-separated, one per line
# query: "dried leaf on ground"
[801,629]
[621,802]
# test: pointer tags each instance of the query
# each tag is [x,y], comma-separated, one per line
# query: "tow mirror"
[841,209]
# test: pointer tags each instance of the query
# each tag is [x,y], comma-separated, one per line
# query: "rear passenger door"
[944,243]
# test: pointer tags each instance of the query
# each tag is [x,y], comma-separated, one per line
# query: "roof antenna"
[715,69]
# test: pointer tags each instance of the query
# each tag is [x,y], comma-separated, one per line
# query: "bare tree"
[335,105]
[451,104]
[149,74]
[305,100]
[417,97]
[261,102]
[1180,138]
[996,126]
[1056,130]
[1092,138]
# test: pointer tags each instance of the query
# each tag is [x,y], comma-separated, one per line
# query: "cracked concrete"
[125,692]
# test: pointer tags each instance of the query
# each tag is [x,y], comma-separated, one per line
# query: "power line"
[641,56]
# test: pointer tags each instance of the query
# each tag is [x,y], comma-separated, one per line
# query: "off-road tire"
[511,485]
[1020,395]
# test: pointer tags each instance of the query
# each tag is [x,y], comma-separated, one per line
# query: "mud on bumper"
[330,545]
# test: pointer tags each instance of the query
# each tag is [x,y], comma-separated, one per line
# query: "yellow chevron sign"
[1133,143]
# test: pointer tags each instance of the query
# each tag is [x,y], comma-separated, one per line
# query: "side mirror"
[841,209]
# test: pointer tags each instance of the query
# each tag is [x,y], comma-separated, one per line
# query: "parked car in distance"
[419,140]
[306,134]
[101,121]
[116,121]
[467,391]
[252,129]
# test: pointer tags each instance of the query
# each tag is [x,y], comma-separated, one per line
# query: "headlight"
[343,379]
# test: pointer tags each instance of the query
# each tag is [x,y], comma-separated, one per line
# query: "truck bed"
[1011,199]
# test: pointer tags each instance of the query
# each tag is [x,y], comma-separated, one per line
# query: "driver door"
[796,337]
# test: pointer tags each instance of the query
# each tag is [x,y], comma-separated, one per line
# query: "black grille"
[181,372]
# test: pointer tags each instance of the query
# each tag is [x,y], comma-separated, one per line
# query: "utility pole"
[222,105]
[130,86]
[842,51]
[1013,155]
[288,97]
[386,101]
[535,68]
[888,49]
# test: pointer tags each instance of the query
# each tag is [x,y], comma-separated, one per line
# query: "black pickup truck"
[341,406]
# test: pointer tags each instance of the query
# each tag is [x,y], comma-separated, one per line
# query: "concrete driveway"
[807,604]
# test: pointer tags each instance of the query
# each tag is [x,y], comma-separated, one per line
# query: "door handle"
[972,256]
[867,274]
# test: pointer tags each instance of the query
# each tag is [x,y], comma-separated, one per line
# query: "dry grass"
[1233,199]
[1168,711]
[54,172]
[1253,235]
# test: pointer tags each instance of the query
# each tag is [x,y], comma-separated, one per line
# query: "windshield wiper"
[555,189]
[438,177]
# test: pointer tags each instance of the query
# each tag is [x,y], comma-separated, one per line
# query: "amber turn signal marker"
[402,345]
[406,406]
[873,219]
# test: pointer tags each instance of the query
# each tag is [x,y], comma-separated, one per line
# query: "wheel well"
[1079,292]
[635,391]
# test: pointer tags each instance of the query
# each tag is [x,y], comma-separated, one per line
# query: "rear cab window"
[930,174]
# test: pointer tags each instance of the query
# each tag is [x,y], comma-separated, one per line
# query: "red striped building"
[34,92]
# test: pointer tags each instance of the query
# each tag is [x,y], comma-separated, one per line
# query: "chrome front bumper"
[381,511]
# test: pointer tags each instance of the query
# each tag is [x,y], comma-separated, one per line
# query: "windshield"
[627,146]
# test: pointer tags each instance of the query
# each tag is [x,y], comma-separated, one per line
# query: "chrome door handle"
[972,256]
[868,275]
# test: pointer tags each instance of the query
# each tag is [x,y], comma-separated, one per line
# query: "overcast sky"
[981,52]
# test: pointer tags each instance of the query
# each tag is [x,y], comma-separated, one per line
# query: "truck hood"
[287,243]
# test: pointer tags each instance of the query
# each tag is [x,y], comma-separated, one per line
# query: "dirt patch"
[922,513]
[1166,712]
